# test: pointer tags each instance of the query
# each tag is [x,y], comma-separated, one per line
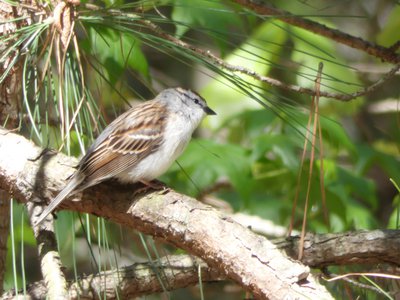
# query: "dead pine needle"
[316,133]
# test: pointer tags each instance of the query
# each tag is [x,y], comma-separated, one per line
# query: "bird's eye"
[196,101]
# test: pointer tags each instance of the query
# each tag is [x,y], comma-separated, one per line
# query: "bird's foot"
[152,185]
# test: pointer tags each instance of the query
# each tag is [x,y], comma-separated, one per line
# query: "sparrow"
[140,144]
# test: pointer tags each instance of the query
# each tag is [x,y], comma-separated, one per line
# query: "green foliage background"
[252,149]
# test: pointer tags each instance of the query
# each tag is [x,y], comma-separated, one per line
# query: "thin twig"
[271,81]
[315,112]
[332,277]
[300,172]
[386,54]
[321,172]
[215,60]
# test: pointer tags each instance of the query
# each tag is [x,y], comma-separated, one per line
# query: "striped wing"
[126,141]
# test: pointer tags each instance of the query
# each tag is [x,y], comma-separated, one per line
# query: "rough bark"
[360,247]
[348,248]
[233,250]
[137,280]
[50,262]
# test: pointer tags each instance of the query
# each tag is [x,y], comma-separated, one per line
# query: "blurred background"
[247,158]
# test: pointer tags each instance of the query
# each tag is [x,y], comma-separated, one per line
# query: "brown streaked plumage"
[140,144]
[124,145]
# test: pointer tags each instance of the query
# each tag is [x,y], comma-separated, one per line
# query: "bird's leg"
[155,184]
[151,185]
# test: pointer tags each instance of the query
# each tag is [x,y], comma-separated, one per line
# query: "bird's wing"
[130,138]
[126,141]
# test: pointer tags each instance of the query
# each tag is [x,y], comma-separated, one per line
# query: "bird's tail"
[70,189]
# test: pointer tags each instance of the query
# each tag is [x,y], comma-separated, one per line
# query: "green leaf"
[368,156]
[334,133]
[258,54]
[390,33]
[390,164]
[206,161]
[116,51]
[278,145]
[394,220]
[249,124]
[359,216]
[212,17]
[337,224]
[359,187]
[337,77]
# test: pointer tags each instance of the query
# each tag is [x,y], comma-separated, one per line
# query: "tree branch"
[233,250]
[10,104]
[139,279]
[178,271]
[208,56]
[358,247]
[187,223]
[49,256]
[386,54]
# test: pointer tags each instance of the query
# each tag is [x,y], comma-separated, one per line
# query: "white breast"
[178,132]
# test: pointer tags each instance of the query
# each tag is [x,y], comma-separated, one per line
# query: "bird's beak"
[209,111]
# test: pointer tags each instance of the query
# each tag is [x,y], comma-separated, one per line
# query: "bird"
[139,145]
